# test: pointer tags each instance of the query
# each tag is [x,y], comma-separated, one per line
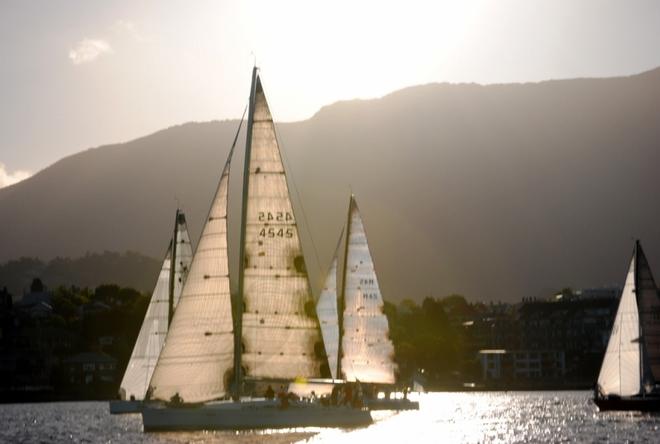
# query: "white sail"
[367,351]
[154,327]
[328,314]
[280,332]
[198,354]
[620,373]
[649,307]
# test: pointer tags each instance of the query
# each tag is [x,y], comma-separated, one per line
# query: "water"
[443,417]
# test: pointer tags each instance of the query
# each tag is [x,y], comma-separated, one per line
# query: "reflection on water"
[443,417]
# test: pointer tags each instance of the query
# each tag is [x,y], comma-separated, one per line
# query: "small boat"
[353,323]
[268,331]
[150,340]
[648,403]
[631,366]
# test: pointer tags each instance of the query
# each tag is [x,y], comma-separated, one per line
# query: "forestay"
[184,257]
[280,331]
[367,352]
[197,358]
[154,327]
[620,372]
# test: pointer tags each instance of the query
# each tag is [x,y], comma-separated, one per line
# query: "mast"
[170,299]
[238,299]
[342,295]
[639,324]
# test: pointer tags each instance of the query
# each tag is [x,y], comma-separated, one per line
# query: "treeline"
[129,269]
[430,342]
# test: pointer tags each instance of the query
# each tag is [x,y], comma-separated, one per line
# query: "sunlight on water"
[501,417]
[529,417]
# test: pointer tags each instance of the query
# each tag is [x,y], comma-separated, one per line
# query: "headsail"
[620,373]
[280,331]
[154,327]
[648,300]
[328,314]
[367,351]
[198,354]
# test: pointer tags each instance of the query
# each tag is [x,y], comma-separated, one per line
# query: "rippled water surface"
[443,417]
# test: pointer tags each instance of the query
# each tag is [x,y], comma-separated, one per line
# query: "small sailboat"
[267,333]
[159,313]
[354,326]
[631,366]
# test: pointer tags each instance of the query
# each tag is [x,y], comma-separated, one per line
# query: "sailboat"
[631,366]
[268,332]
[354,326]
[159,313]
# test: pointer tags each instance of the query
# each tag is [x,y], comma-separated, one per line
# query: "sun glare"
[382,46]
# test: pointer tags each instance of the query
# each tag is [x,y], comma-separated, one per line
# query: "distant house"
[39,310]
[90,368]
[37,302]
[516,365]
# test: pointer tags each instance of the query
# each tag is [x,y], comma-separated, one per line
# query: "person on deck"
[283,397]
[348,394]
[270,393]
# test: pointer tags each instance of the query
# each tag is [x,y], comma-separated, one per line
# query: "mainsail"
[328,314]
[197,358]
[280,331]
[620,373]
[154,327]
[366,350]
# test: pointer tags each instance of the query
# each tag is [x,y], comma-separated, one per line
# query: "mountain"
[496,192]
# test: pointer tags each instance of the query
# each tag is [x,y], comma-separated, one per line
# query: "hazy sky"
[77,74]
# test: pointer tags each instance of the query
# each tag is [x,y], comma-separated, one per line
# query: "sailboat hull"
[391,404]
[251,415]
[646,404]
[118,407]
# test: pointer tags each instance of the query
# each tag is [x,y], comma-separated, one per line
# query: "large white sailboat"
[156,322]
[268,331]
[631,366]
[354,326]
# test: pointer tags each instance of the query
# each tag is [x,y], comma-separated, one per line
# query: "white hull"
[251,415]
[118,407]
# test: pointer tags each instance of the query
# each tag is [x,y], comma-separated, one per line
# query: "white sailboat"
[631,365]
[355,328]
[274,336]
[159,313]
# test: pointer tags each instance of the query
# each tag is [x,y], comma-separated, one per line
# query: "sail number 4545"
[276,232]
[278,216]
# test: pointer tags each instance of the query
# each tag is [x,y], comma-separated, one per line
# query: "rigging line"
[295,187]
[233,145]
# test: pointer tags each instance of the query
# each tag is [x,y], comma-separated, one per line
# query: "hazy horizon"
[77,75]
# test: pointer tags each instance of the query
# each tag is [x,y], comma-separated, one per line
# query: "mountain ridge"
[498,191]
